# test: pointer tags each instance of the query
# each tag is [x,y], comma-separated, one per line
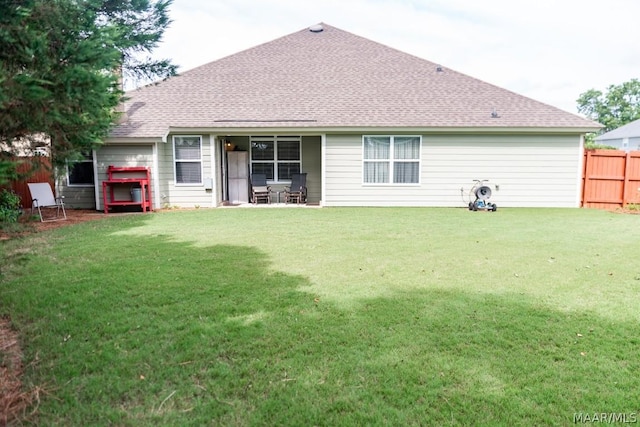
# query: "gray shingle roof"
[630,130]
[331,79]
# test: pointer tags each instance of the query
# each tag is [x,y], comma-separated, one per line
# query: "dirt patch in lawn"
[30,225]
[14,401]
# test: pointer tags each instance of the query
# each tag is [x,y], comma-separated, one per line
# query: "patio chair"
[297,191]
[260,191]
[42,198]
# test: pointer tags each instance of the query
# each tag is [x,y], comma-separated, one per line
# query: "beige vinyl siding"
[78,197]
[122,155]
[532,171]
[311,164]
[186,196]
[216,172]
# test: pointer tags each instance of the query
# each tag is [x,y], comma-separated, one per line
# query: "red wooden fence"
[39,169]
[610,179]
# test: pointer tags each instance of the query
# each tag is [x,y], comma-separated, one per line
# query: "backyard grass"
[335,316]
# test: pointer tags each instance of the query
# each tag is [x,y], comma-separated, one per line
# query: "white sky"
[549,50]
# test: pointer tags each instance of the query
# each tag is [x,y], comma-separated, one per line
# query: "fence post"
[585,173]
[625,183]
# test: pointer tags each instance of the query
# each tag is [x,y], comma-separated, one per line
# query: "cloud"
[548,50]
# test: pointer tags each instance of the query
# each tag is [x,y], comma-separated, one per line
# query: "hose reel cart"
[479,196]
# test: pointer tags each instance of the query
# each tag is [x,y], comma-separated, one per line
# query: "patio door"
[238,176]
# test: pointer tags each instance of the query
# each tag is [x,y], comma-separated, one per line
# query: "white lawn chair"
[42,197]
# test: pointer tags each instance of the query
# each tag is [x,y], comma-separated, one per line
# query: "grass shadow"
[175,333]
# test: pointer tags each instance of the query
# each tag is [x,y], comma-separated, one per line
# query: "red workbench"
[131,177]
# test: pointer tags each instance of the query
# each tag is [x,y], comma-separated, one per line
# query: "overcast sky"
[549,50]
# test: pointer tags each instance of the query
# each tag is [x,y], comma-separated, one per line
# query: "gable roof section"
[331,79]
[630,130]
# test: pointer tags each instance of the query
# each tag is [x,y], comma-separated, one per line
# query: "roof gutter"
[316,130]
[134,140]
[267,130]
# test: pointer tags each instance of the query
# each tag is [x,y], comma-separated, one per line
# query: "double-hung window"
[187,154]
[278,157]
[80,172]
[391,159]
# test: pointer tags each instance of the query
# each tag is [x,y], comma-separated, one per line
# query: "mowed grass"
[335,316]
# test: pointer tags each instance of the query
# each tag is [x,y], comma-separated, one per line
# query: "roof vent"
[494,114]
[439,69]
[316,28]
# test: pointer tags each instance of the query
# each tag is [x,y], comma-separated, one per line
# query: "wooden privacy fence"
[610,179]
[39,169]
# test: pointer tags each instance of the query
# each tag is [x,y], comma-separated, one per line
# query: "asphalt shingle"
[330,79]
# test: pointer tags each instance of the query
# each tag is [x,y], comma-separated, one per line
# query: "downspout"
[157,204]
[213,143]
[96,182]
[323,168]
[582,181]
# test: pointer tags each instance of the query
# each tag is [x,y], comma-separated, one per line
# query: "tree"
[61,66]
[617,107]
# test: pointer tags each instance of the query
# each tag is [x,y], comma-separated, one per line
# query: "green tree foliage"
[61,65]
[616,107]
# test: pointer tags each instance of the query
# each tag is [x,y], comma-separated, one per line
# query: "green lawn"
[335,316]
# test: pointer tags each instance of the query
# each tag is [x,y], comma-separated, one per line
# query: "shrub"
[9,206]
[593,146]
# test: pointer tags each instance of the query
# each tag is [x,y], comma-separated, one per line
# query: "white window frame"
[275,161]
[88,159]
[392,161]
[176,161]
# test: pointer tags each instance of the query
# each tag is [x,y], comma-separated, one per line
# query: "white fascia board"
[129,140]
[231,131]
